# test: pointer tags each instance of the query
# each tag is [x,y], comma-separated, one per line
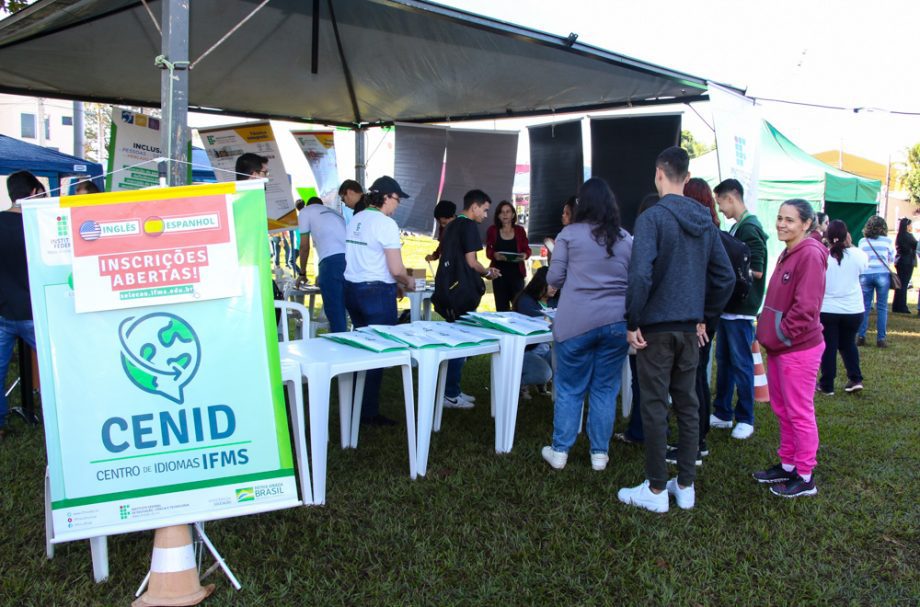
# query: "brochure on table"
[156,413]
[428,334]
[224,144]
[509,322]
[367,340]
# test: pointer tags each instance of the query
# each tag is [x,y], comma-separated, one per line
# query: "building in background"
[41,121]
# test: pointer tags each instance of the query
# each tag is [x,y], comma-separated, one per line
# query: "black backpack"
[458,288]
[739,255]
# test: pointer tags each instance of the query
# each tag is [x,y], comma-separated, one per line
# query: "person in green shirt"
[735,334]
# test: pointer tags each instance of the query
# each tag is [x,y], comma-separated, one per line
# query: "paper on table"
[510,322]
[426,334]
[367,340]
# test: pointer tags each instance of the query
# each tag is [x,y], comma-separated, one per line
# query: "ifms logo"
[160,354]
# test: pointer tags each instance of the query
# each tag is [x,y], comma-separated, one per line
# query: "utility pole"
[174,136]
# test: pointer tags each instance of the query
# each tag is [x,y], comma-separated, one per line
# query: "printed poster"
[319,149]
[135,139]
[224,144]
[738,131]
[136,254]
[164,414]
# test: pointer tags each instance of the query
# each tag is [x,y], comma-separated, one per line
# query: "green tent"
[787,171]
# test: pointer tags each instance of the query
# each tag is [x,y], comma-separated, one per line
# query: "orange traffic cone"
[761,390]
[173,572]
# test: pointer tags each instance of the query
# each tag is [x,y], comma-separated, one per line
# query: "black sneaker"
[670,456]
[861,340]
[704,450]
[774,474]
[795,487]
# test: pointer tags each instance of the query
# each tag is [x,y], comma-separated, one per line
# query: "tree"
[11,6]
[910,179]
[694,148]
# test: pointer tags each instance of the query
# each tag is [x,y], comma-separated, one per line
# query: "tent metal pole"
[78,134]
[174,89]
[361,155]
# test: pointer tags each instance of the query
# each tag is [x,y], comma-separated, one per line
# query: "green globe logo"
[160,353]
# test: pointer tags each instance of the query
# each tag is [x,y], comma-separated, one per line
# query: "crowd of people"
[656,299]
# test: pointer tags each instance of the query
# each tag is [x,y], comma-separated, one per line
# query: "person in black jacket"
[906,249]
[679,273]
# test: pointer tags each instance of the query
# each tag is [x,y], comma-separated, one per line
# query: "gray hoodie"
[679,272]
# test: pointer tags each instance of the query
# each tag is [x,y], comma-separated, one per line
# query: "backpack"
[458,288]
[739,255]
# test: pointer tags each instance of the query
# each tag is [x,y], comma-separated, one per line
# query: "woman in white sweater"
[842,310]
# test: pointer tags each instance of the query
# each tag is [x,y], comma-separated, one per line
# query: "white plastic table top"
[320,360]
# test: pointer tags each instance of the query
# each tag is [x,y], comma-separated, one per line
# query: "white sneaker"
[556,459]
[599,461]
[685,498]
[643,497]
[468,397]
[715,422]
[456,403]
[742,431]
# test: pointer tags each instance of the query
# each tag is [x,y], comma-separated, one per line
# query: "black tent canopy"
[376,61]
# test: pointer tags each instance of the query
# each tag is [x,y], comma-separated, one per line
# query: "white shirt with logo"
[326,226]
[366,237]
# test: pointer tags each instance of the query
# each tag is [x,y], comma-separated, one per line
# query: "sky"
[848,53]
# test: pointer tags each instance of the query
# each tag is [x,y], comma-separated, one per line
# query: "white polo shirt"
[367,235]
[326,226]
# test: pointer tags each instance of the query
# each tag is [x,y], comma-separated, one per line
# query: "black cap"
[387,185]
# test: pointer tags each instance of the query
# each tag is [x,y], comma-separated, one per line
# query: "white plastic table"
[432,371]
[320,360]
[417,301]
[512,360]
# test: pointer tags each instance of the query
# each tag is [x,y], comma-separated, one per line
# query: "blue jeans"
[878,285]
[9,331]
[538,366]
[371,303]
[735,370]
[588,363]
[331,284]
[452,379]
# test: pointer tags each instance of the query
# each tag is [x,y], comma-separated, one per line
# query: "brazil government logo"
[160,353]
[246,494]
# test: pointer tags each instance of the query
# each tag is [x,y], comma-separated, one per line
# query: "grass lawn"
[484,529]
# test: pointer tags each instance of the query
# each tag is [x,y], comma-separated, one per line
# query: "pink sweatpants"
[791,377]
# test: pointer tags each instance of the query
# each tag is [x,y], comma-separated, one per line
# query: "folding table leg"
[356,409]
[410,419]
[439,395]
[427,389]
[295,402]
[318,385]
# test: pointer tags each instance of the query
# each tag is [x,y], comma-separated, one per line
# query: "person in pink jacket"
[790,331]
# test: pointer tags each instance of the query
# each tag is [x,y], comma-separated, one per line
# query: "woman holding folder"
[507,247]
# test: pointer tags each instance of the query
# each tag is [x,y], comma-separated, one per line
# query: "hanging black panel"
[623,152]
[556,172]
[419,162]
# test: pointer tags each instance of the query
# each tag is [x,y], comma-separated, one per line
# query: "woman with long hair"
[790,331]
[906,249]
[591,262]
[507,246]
[842,309]
[876,279]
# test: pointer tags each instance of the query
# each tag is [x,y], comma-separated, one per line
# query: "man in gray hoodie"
[679,273]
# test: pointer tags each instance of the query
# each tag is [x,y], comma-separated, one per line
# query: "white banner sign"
[135,140]
[738,133]
[319,148]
